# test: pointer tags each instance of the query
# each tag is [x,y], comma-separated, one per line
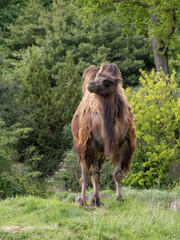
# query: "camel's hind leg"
[122,160]
[117,175]
[123,155]
[83,183]
[117,178]
[95,179]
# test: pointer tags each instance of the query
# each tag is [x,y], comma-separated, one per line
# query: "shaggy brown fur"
[103,127]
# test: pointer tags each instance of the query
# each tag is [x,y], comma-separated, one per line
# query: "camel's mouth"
[93,88]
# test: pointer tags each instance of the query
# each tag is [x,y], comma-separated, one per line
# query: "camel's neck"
[108,119]
[111,109]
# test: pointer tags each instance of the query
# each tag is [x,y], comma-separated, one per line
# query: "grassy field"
[143,215]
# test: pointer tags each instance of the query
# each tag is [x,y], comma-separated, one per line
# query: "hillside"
[143,215]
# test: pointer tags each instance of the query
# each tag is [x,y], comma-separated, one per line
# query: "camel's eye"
[107,83]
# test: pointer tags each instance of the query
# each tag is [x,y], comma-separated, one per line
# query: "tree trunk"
[160,54]
[161,58]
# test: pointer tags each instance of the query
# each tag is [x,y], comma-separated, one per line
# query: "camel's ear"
[90,72]
[119,80]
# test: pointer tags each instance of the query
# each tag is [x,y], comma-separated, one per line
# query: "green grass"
[143,215]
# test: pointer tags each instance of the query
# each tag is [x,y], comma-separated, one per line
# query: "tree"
[105,43]
[158,18]
[9,110]
[36,99]
[67,91]
[54,38]
[9,10]
[26,29]
[174,60]
[130,52]
[49,110]
[11,132]
[63,35]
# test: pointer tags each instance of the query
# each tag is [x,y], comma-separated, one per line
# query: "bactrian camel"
[103,128]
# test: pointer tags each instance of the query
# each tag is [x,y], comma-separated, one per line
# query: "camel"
[103,128]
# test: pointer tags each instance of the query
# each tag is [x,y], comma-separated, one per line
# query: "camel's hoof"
[82,202]
[96,202]
[120,198]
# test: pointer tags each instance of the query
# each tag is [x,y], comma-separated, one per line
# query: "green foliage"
[66,137]
[35,95]
[12,133]
[157,19]
[71,171]
[132,10]
[107,181]
[9,185]
[137,11]
[10,112]
[109,43]
[26,30]
[65,196]
[174,60]
[9,10]
[21,182]
[49,109]
[36,91]
[9,137]
[104,41]
[68,90]
[157,117]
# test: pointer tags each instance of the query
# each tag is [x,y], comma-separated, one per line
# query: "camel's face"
[103,86]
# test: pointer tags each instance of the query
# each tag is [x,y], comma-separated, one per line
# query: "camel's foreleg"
[95,179]
[83,183]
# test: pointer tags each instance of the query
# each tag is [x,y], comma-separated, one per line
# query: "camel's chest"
[97,130]
[97,133]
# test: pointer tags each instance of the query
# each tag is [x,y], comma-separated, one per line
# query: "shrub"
[157,115]
[62,195]
[21,181]
[70,171]
[107,181]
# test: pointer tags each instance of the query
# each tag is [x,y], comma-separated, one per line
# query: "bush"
[62,195]
[21,181]
[70,171]
[157,115]
[9,185]
[107,181]
[13,182]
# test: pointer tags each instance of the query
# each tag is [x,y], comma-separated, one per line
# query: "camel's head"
[106,80]
[104,86]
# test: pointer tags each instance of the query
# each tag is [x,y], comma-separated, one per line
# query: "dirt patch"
[15,229]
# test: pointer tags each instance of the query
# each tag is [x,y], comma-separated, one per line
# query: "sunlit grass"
[143,215]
